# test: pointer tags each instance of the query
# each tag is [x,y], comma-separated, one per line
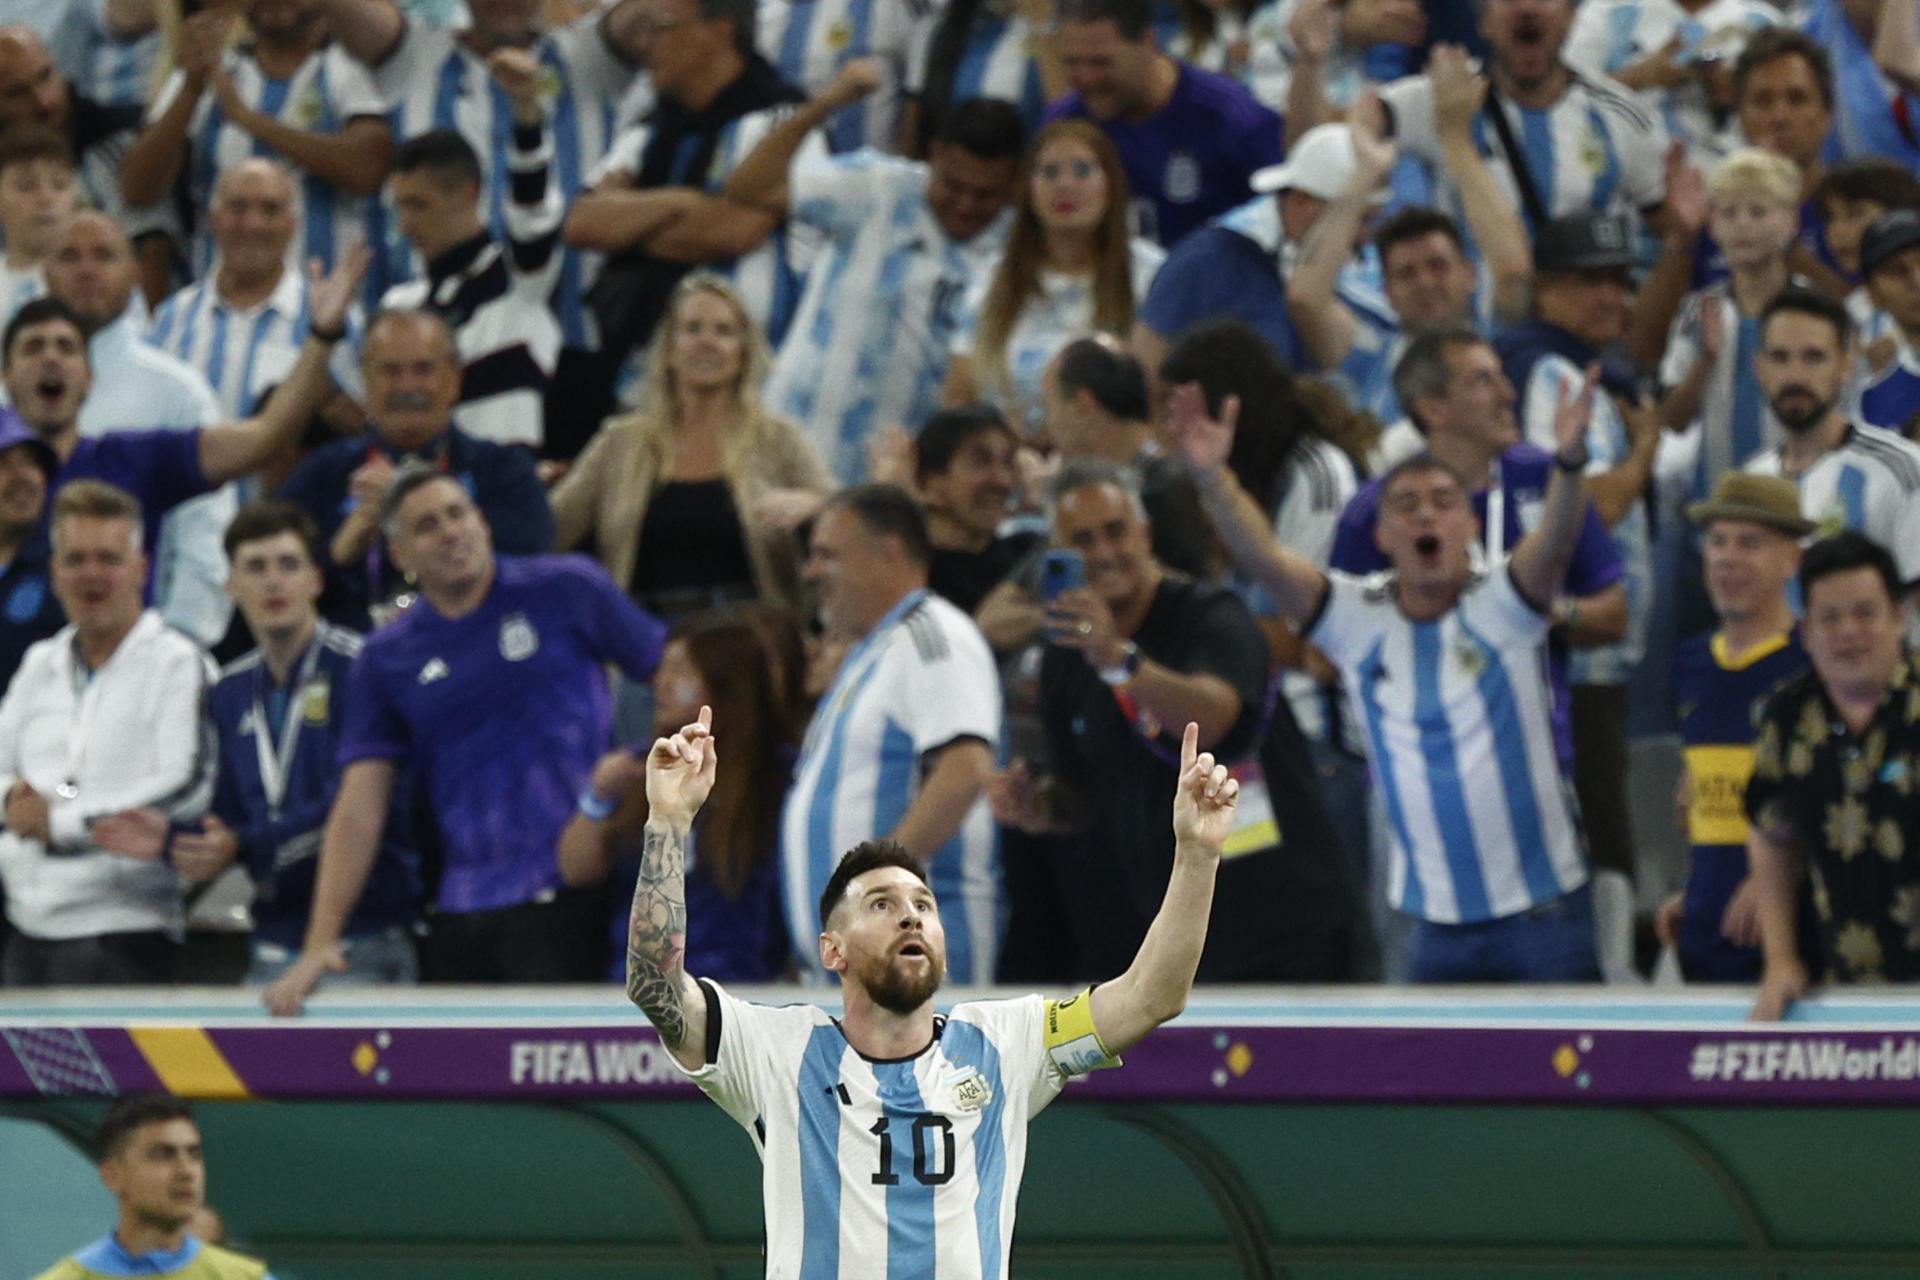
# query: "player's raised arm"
[679,775]
[1156,985]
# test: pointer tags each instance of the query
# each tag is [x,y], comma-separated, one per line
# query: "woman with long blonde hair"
[1071,268]
[684,498]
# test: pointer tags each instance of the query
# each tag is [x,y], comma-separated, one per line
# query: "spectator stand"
[543,1133]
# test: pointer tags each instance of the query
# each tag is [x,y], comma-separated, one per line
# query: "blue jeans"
[373,959]
[1551,943]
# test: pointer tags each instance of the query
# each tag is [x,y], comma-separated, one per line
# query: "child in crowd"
[38,193]
[1849,198]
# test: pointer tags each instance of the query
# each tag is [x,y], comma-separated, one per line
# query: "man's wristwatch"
[1123,671]
[1574,460]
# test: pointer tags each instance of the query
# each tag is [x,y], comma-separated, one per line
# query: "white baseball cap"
[1320,164]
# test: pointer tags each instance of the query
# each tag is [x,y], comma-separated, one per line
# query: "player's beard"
[899,988]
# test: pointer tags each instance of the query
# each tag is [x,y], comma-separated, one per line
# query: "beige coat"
[606,493]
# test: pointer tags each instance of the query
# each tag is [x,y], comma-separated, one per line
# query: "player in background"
[893,1138]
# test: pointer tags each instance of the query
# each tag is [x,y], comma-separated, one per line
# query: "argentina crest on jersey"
[518,640]
[1182,182]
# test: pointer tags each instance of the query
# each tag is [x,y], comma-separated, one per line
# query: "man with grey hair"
[1135,653]
[490,692]
[103,744]
[412,370]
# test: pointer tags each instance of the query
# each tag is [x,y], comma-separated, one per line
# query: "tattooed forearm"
[657,934]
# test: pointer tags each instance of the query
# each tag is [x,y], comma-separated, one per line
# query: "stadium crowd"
[416,406]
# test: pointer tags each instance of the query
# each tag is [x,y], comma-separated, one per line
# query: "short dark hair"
[130,1113]
[269,518]
[744,14]
[1419,464]
[31,140]
[1800,300]
[412,474]
[443,153]
[1775,43]
[990,128]
[1411,223]
[1116,381]
[1889,185]
[868,855]
[948,431]
[39,311]
[1846,551]
[1423,369]
[887,511]
[1134,18]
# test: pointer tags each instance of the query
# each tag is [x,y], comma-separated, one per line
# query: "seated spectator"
[1889,396]
[1133,652]
[37,196]
[690,500]
[29,611]
[1590,146]
[971,49]
[1189,140]
[1708,372]
[1676,55]
[279,712]
[287,92]
[1238,264]
[811,44]
[963,470]
[1851,196]
[102,722]
[1750,530]
[1097,409]
[1487,853]
[48,376]
[1851,475]
[654,202]
[902,744]
[242,324]
[492,293]
[733,854]
[903,240]
[1813,809]
[1427,274]
[34,90]
[490,691]
[1876,104]
[412,374]
[1069,269]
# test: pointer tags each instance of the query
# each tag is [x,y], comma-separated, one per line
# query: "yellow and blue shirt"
[106,1259]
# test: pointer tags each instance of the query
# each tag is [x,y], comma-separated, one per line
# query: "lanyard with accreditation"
[1255,824]
[307,702]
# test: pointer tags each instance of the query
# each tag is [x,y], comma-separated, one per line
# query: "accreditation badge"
[1255,825]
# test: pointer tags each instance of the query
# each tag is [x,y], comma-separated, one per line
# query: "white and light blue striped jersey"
[1872,116]
[1553,378]
[1457,717]
[434,81]
[1869,483]
[1735,420]
[1343,74]
[1596,149]
[326,93]
[21,285]
[1610,35]
[111,71]
[244,353]
[997,62]
[765,275]
[1888,397]
[921,679]
[1060,313]
[808,41]
[882,302]
[872,1170]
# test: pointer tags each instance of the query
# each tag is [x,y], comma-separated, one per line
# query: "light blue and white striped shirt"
[326,93]
[921,679]
[1869,483]
[875,1169]
[808,41]
[882,303]
[1735,420]
[1457,715]
[111,71]
[18,287]
[997,62]
[434,81]
[244,353]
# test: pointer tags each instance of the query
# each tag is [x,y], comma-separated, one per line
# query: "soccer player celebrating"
[892,1139]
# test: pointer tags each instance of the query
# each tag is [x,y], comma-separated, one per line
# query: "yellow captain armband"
[1072,1041]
